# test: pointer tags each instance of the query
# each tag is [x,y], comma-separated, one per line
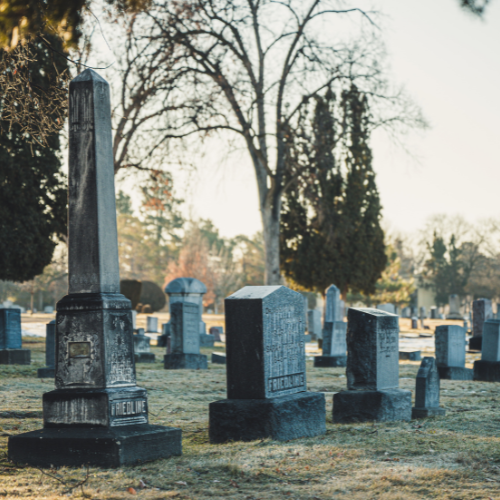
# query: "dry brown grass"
[452,457]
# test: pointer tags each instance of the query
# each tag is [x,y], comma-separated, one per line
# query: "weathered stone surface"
[183,361]
[219,358]
[450,343]
[427,390]
[314,323]
[142,343]
[366,406]
[165,332]
[487,371]
[265,346]
[481,311]
[410,355]
[335,339]
[184,328]
[373,347]
[50,352]
[454,304]
[332,305]
[414,323]
[281,418]
[95,446]
[491,340]
[10,328]
[151,324]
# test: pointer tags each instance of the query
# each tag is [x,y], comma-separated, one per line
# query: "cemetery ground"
[452,457]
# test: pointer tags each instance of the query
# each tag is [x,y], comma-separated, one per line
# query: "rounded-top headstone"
[186,285]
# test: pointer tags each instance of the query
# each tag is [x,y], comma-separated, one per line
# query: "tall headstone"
[488,367]
[190,290]
[454,305]
[334,346]
[373,391]
[332,305]
[48,371]
[96,415]
[427,391]
[142,347]
[481,312]
[11,342]
[314,323]
[450,353]
[266,370]
[342,311]
[151,324]
[165,332]
[185,338]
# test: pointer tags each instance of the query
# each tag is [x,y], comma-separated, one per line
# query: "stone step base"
[427,412]
[97,446]
[366,406]
[281,418]
[15,357]
[185,362]
[329,361]
[487,371]
[455,373]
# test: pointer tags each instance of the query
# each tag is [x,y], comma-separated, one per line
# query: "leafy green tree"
[32,186]
[330,229]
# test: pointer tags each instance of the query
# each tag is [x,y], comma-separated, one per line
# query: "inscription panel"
[128,412]
[185,328]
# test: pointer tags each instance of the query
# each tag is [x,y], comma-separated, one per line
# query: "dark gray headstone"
[95,369]
[487,369]
[372,370]
[450,352]
[265,367]
[427,390]
[332,305]
[481,312]
[11,351]
[216,331]
[48,371]
[414,323]
[434,312]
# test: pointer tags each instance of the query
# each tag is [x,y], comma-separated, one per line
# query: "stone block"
[476,343]
[329,361]
[314,323]
[15,356]
[450,343]
[487,371]
[490,349]
[219,358]
[481,312]
[185,361]
[365,406]
[410,355]
[281,418]
[94,446]
[455,373]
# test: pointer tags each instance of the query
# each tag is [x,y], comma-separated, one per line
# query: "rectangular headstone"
[50,344]
[427,384]
[184,328]
[152,324]
[314,322]
[332,305]
[373,350]
[265,342]
[334,339]
[450,345]
[481,312]
[490,350]
[10,329]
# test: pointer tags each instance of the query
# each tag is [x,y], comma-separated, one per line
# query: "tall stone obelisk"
[96,415]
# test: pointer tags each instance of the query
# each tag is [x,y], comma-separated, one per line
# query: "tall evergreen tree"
[32,187]
[330,230]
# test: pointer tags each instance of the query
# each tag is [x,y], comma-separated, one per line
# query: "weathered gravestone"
[488,367]
[11,351]
[427,391]
[142,347]
[49,370]
[334,346]
[151,324]
[450,353]
[373,391]
[165,332]
[185,338]
[454,305]
[332,305]
[481,312]
[216,331]
[266,372]
[219,358]
[189,290]
[314,323]
[97,415]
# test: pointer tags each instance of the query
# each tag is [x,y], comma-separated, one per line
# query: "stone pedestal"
[185,361]
[487,371]
[219,358]
[97,446]
[329,361]
[15,357]
[280,418]
[455,373]
[366,406]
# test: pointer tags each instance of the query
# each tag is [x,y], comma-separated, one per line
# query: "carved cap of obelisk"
[92,234]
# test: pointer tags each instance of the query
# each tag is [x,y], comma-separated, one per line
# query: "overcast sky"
[449,63]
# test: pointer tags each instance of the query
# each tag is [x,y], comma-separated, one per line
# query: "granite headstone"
[450,352]
[314,323]
[427,391]
[265,367]
[481,312]
[487,368]
[373,391]
[332,305]
[334,345]
[151,324]
[11,351]
[390,308]
[142,347]
[454,307]
[434,312]
[48,371]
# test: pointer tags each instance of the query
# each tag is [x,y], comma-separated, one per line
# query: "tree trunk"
[271,224]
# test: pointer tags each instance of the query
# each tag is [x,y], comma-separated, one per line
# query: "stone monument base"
[182,361]
[95,446]
[364,406]
[145,357]
[410,355]
[282,418]
[427,412]
[206,340]
[476,343]
[219,357]
[46,372]
[487,371]
[15,356]
[329,361]
[455,373]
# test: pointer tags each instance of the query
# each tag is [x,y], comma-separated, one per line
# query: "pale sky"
[449,63]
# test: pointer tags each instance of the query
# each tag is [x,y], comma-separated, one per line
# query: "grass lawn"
[452,457]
